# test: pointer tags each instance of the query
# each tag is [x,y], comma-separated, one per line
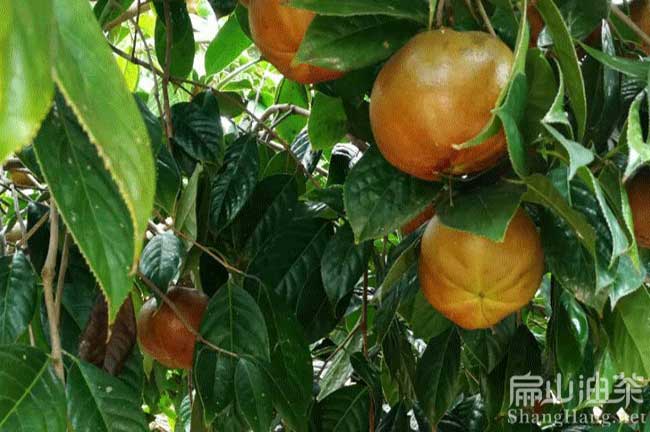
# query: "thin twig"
[338,349]
[279,108]
[631,24]
[440,13]
[364,314]
[166,75]
[47,274]
[199,337]
[236,72]
[60,283]
[32,231]
[484,16]
[127,15]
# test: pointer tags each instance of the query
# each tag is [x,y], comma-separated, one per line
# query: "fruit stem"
[484,16]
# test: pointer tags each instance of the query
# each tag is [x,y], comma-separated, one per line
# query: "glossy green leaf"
[486,211]
[379,198]
[108,113]
[351,43]
[185,220]
[293,93]
[26,58]
[253,395]
[32,396]
[98,401]
[328,122]
[343,264]
[437,375]
[290,372]
[339,369]
[524,357]
[17,296]
[235,183]
[542,191]
[89,202]
[168,183]
[541,89]
[627,66]
[628,328]
[162,258]
[229,43]
[232,322]
[511,114]
[345,410]
[489,347]
[572,334]
[416,10]
[639,148]
[181,58]
[578,155]
[568,59]
[197,128]
[289,264]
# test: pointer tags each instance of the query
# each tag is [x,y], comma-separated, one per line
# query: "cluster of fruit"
[436,92]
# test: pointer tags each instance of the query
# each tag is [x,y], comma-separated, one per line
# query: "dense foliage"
[149,147]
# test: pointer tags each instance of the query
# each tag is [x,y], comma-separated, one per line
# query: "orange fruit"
[163,336]
[476,282]
[640,14]
[278,31]
[535,21]
[638,191]
[435,92]
[418,221]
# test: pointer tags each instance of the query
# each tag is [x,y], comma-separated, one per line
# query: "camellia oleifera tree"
[319,215]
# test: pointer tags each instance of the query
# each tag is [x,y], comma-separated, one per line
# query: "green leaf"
[162,258]
[292,93]
[98,401]
[568,59]
[169,181]
[628,328]
[181,58]
[579,156]
[88,201]
[343,264]
[639,149]
[107,111]
[485,211]
[234,184]
[26,58]
[232,322]
[542,191]
[17,296]
[345,410]
[289,265]
[524,357]
[185,220]
[380,199]
[489,347]
[437,375]
[511,114]
[414,10]
[32,396]
[197,128]
[351,43]
[339,369]
[630,67]
[290,372]
[571,334]
[541,90]
[253,395]
[107,10]
[229,43]
[328,122]
[556,112]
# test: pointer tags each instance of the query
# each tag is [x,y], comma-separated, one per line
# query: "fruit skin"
[476,282]
[161,333]
[278,31]
[638,190]
[418,221]
[535,21]
[437,91]
[640,14]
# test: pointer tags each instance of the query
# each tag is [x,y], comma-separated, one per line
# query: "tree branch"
[168,55]
[60,283]
[127,15]
[47,274]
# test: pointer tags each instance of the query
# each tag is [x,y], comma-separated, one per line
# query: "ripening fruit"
[278,31]
[435,92]
[640,13]
[535,21]
[476,282]
[638,191]
[418,221]
[161,333]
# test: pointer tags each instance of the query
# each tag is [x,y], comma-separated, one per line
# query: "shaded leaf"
[197,128]
[162,258]
[17,296]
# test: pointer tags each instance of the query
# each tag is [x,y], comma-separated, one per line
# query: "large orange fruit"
[638,191]
[162,334]
[476,282]
[278,31]
[435,92]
